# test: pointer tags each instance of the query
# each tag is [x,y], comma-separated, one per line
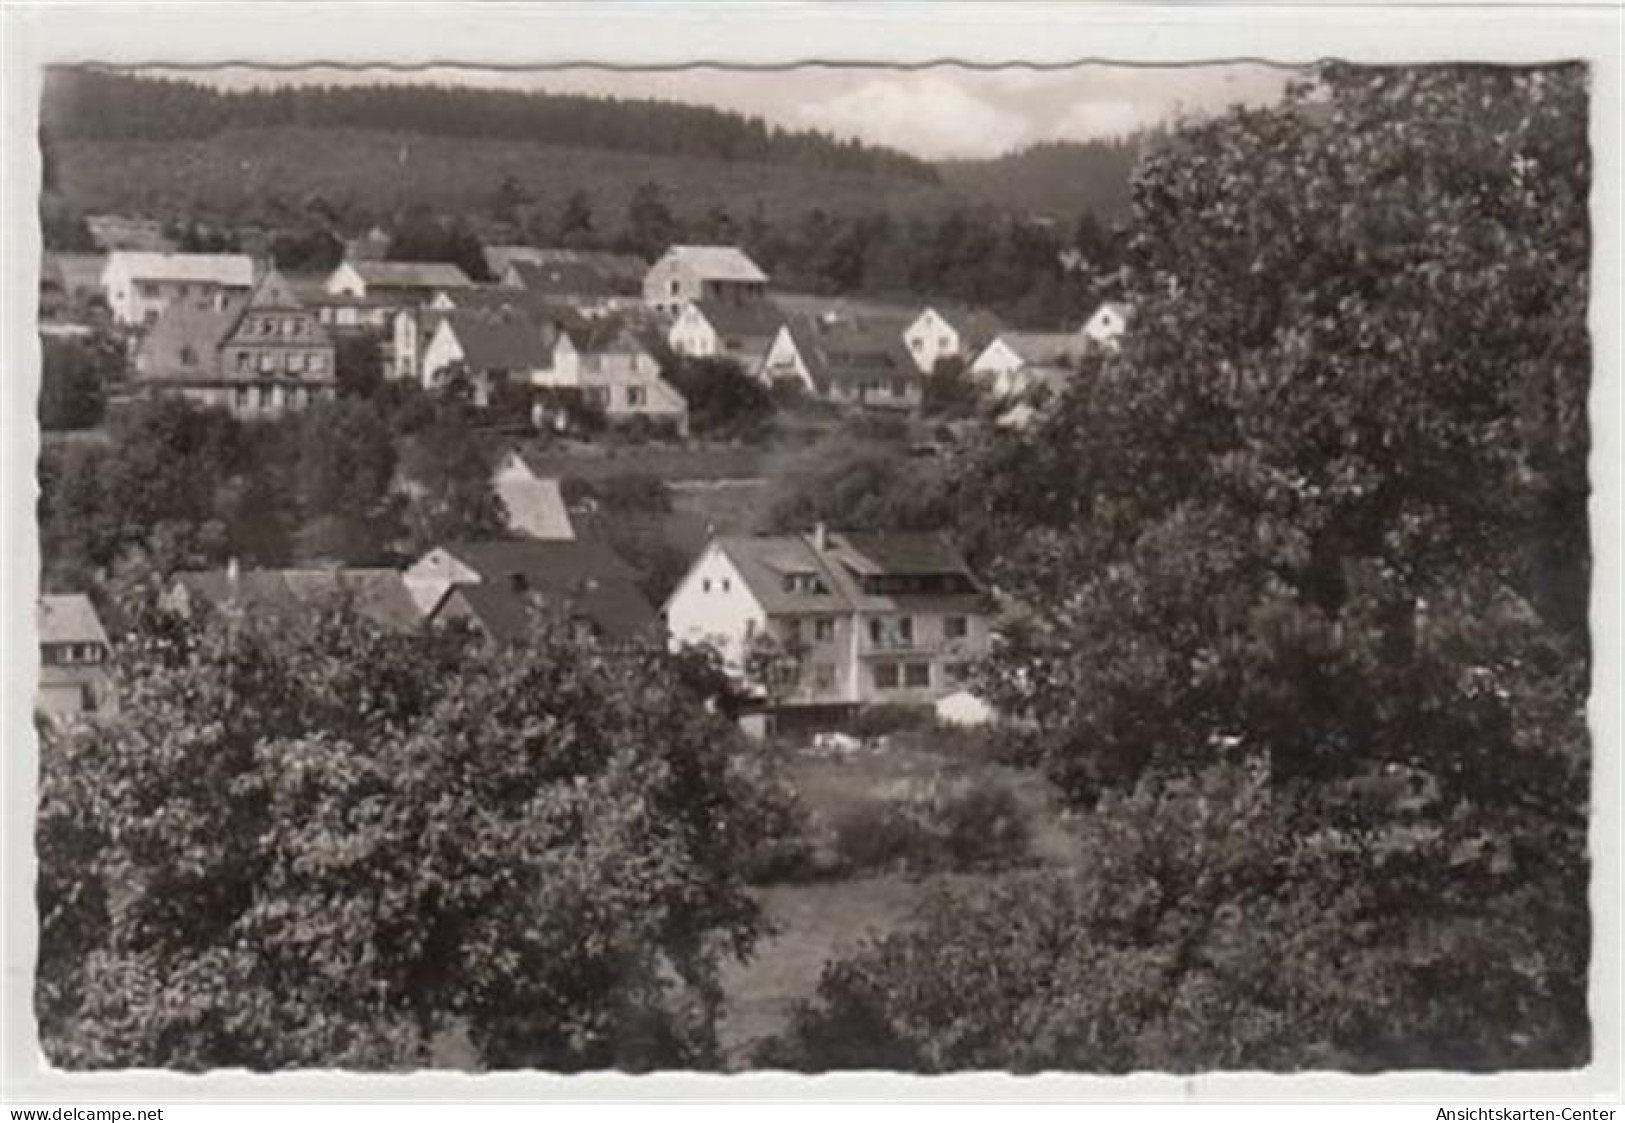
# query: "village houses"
[1105,327]
[256,355]
[139,286]
[495,585]
[723,274]
[717,329]
[948,332]
[534,503]
[399,284]
[601,359]
[75,678]
[834,620]
[845,362]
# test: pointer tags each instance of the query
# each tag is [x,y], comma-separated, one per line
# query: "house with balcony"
[684,274]
[828,622]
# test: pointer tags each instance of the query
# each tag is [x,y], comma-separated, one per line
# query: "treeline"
[1054,178]
[94,104]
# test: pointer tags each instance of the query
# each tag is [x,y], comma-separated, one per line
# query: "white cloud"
[1106,117]
[927,114]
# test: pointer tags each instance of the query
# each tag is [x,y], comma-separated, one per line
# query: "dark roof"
[69,618]
[976,326]
[186,329]
[901,553]
[764,562]
[379,595]
[584,573]
[847,350]
[562,278]
[411,274]
[502,341]
[760,319]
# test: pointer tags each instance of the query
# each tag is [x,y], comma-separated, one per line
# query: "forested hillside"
[89,104]
[1059,179]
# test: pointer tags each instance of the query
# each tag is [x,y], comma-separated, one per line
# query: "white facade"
[688,273]
[997,362]
[139,286]
[713,607]
[346,280]
[442,351]
[784,360]
[691,333]
[930,338]
[1107,325]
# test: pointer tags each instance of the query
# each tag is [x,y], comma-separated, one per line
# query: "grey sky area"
[939,112]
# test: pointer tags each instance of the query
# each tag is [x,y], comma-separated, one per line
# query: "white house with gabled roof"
[840,619]
[139,286]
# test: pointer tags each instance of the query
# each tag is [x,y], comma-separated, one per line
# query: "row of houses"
[586,321]
[814,625]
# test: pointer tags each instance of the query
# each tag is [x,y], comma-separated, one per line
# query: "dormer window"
[805,583]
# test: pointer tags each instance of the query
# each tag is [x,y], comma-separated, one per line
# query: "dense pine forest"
[93,104]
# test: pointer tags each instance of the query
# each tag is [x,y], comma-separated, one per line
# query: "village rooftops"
[1046,349]
[69,618]
[718,263]
[562,279]
[411,274]
[759,320]
[229,270]
[379,595]
[845,572]
[844,351]
[584,576]
[498,340]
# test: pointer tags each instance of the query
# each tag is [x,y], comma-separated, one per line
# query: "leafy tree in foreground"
[74,378]
[335,846]
[1326,509]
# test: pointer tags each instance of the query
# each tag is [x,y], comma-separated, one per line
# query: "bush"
[962,825]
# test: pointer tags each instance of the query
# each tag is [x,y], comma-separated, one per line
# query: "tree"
[358,365]
[575,225]
[344,482]
[448,480]
[723,401]
[650,225]
[325,845]
[74,377]
[951,390]
[1304,517]
[854,483]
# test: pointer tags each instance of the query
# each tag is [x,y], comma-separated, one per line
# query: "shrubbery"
[963,824]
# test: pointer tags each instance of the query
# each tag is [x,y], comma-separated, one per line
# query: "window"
[877,631]
[705,585]
[955,627]
[823,630]
[188,357]
[317,362]
[242,396]
[917,344]
[637,395]
[905,629]
[917,674]
[792,630]
[267,361]
[87,698]
[672,286]
[147,289]
[823,677]
[242,361]
[727,585]
[265,397]
[886,677]
[804,583]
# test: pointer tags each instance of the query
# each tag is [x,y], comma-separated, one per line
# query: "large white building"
[835,619]
[140,286]
[723,274]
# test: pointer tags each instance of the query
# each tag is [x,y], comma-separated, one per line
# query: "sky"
[938,112]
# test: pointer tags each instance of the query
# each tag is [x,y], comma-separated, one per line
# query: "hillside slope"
[249,173]
[1060,180]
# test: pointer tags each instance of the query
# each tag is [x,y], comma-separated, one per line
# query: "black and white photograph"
[1027,566]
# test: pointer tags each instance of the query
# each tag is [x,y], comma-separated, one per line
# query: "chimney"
[820,538]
